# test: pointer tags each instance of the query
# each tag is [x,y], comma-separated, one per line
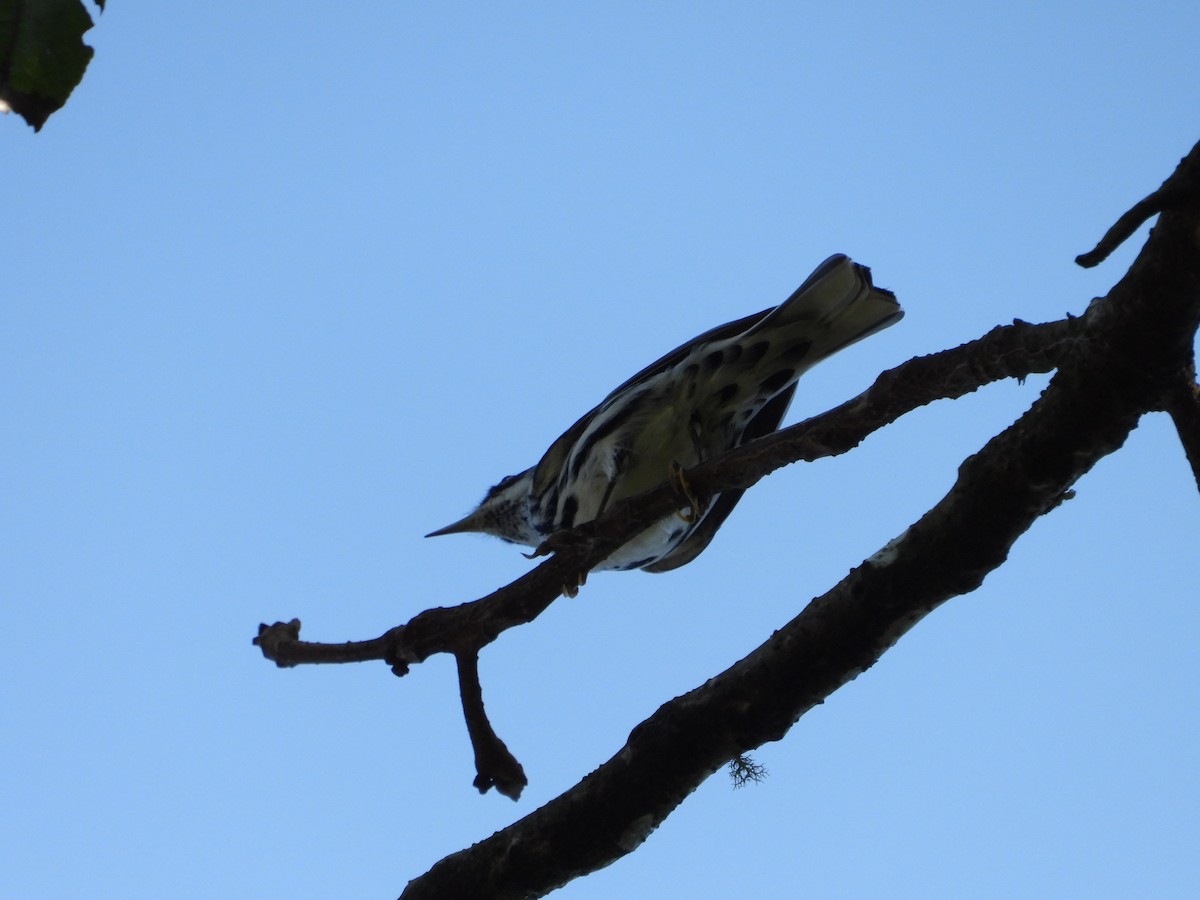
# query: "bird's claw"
[557,542]
[571,588]
[680,483]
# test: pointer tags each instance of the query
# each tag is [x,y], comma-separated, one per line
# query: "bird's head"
[504,513]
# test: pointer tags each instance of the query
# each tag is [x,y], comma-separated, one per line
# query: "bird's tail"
[836,306]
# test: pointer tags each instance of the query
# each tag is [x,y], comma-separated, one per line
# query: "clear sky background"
[289,285]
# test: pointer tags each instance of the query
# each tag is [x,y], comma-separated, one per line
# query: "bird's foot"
[680,483]
[561,542]
[571,586]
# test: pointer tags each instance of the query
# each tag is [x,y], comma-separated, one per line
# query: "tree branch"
[1124,228]
[1007,351]
[1135,342]
[1179,192]
[496,767]
[1183,405]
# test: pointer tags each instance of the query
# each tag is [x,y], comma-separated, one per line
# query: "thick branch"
[999,493]
[1183,405]
[1136,340]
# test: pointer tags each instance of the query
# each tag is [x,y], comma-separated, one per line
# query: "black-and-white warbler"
[719,390]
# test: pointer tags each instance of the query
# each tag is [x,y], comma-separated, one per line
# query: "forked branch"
[1007,351]
[1133,344]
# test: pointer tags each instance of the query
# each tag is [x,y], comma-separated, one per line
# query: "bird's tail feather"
[836,306]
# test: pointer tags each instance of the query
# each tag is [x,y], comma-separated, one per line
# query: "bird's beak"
[468,523]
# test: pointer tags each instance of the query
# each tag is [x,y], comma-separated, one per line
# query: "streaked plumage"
[717,391]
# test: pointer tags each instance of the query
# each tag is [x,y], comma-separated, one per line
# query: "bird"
[719,390]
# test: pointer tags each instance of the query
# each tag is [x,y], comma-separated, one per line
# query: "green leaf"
[42,55]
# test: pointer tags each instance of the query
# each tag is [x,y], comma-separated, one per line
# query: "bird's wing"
[765,422]
[552,462]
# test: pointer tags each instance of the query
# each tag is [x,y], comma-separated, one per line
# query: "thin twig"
[494,764]
[1131,221]
[280,643]
[1180,191]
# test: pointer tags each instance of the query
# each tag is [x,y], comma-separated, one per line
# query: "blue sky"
[288,286]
